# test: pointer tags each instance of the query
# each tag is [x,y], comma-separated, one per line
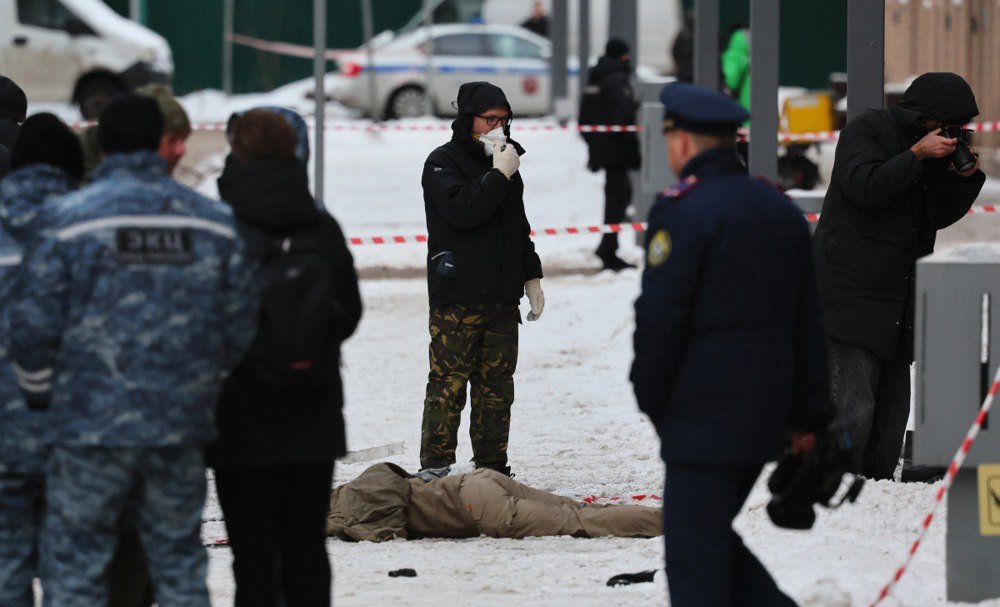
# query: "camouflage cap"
[175,119]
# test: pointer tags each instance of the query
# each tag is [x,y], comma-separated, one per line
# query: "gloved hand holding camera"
[949,142]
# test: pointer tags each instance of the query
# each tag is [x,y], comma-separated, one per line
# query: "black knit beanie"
[44,139]
[615,48]
[13,102]
[130,123]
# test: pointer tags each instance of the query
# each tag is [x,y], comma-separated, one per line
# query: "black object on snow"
[403,573]
[626,579]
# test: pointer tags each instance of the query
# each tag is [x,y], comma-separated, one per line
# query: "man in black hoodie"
[893,187]
[612,101]
[480,262]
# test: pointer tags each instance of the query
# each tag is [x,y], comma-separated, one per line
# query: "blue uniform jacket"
[22,193]
[730,352]
[134,302]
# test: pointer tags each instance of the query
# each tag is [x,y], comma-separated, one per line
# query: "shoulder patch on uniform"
[681,188]
[659,248]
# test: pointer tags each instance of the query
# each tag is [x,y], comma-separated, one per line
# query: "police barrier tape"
[379,127]
[611,228]
[949,478]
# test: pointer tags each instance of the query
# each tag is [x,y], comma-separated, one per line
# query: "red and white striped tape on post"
[949,478]
[611,228]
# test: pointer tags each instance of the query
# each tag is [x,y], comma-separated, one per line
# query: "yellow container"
[807,113]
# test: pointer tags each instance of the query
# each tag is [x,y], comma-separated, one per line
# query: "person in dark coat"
[480,262]
[730,352]
[13,111]
[892,189]
[616,153]
[275,453]
[538,22]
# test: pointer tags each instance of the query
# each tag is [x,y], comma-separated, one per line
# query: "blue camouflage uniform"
[133,304]
[730,352]
[22,454]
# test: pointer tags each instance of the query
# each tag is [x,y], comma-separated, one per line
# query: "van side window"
[50,14]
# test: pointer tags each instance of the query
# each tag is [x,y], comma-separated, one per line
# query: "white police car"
[409,78]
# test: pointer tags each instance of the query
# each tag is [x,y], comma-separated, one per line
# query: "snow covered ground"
[575,427]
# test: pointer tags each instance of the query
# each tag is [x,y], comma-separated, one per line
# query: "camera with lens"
[801,481]
[963,159]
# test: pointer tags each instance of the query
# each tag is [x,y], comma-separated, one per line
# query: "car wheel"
[407,102]
[95,95]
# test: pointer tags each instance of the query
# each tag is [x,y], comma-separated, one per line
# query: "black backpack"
[295,342]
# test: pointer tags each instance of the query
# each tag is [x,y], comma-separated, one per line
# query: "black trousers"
[617,197]
[707,563]
[276,520]
[872,398]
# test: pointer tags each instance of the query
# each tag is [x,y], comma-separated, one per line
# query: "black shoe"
[921,474]
[615,264]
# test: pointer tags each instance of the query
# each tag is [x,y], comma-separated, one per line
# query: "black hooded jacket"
[883,210]
[475,216]
[271,198]
[614,103]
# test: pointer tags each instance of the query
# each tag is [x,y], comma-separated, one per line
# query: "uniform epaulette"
[774,185]
[681,188]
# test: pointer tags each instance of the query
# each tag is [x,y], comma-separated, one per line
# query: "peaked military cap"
[700,110]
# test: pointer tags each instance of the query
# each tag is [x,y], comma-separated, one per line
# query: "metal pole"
[865,56]
[367,22]
[706,44]
[135,10]
[623,23]
[765,20]
[559,32]
[319,73]
[429,6]
[583,51]
[228,10]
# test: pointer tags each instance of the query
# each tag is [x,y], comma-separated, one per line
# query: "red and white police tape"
[380,127]
[611,228]
[949,478]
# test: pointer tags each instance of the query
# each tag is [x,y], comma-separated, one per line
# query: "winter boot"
[429,474]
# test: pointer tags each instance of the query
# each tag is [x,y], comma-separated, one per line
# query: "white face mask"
[492,140]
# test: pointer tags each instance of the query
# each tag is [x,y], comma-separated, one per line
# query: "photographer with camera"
[900,175]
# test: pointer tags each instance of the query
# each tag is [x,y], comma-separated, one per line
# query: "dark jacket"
[614,103]
[881,213]
[271,198]
[4,161]
[475,216]
[730,353]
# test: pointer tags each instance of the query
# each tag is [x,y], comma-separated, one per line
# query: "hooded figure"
[480,262]
[892,189]
[609,99]
[13,110]
[275,450]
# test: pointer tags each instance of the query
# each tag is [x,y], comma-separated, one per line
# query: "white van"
[78,50]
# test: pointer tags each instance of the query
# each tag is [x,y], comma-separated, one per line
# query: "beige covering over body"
[385,502]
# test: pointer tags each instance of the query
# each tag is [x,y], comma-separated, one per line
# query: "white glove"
[533,289]
[506,160]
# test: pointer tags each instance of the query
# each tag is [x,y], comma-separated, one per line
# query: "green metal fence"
[194,30]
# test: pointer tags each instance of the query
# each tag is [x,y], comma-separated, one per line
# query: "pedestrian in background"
[894,185]
[173,143]
[135,302]
[480,262]
[46,162]
[538,22]
[730,353]
[279,433]
[610,100]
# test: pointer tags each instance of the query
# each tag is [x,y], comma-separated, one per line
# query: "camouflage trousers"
[470,346]
[89,487]
[22,497]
